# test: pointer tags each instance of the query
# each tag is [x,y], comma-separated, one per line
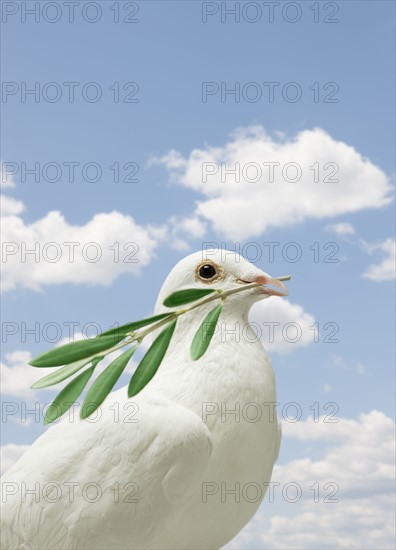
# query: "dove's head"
[224,270]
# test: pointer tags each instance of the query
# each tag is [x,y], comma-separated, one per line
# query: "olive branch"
[89,353]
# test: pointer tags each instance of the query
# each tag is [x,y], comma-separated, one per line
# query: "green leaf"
[148,366]
[129,327]
[63,373]
[74,351]
[205,332]
[67,396]
[186,296]
[105,382]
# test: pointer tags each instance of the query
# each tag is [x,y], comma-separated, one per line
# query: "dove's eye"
[208,272]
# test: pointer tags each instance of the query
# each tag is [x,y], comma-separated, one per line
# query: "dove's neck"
[235,366]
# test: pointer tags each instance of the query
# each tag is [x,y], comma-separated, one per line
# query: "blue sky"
[170,53]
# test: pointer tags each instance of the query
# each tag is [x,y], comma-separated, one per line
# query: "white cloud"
[290,326]
[182,229]
[246,208]
[98,252]
[10,206]
[357,368]
[341,229]
[372,428]
[363,524]
[386,269]
[10,453]
[173,160]
[360,461]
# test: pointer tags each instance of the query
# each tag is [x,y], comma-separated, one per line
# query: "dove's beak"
[267,280]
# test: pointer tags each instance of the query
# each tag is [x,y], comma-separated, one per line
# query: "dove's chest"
[232,389]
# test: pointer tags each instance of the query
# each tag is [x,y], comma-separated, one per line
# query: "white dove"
[180,465]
